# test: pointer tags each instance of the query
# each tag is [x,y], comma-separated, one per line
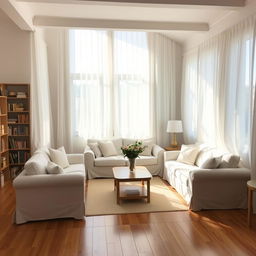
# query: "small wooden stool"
[251,186]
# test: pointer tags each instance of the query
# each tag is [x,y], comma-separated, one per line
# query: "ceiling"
[175,18]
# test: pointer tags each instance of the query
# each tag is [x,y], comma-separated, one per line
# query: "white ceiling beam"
[231,3]
[22,20]
[46,21]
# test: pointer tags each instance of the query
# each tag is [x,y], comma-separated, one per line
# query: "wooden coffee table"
[128,191]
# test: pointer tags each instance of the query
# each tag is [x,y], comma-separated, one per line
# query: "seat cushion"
[110,161]
[146,160]
[73,168]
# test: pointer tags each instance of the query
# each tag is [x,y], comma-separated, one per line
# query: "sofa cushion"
[95,148]
[75,168]
[37,164]
[59,157]
[53,168]
[110,161]
[146,160]
[107,148]
[206,154]
[211,163]
[188,154]
[148,147]
[117,143]
[229,161]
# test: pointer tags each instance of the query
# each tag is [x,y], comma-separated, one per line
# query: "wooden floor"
[172,233]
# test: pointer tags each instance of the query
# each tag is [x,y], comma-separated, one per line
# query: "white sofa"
[221,188]
[102,166]
[50,196]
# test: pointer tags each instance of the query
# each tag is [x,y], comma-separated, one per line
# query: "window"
[109,74]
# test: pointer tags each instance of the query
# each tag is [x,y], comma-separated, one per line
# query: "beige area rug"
[101,199]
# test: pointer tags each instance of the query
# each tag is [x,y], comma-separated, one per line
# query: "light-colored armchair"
[50,196]
[102,166]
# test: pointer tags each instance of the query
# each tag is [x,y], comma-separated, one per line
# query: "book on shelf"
[18,130]
[23,118]
[21,95]
[12,120]
[17,144]
[16,107]
[19,157]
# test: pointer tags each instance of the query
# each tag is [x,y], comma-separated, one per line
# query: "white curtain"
[165,73]
[218,91]
[132,110]
[123,84]
[40,103]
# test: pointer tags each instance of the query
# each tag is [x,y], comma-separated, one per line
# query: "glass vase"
[132,163]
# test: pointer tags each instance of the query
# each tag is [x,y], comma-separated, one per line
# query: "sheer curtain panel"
[40,103]
[218,92]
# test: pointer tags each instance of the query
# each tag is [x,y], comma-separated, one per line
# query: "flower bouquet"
[132,151]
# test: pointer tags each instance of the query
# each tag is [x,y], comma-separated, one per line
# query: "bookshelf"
[18,110]
[4,152]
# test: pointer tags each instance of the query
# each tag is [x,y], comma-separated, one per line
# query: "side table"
[251,186]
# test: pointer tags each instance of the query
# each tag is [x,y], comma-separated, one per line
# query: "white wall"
[14,52]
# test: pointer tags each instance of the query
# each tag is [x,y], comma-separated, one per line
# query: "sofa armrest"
[75,158]
[171,155]
[89,158]
[157,150]
[48,180]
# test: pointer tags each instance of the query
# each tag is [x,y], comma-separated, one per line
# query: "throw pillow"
[107,148]
[188,154]
[229,161]
[148,149]
[59,157]
[95,148]
[53,168]
[211,163]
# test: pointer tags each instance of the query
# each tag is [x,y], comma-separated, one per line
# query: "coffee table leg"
[148,190]
[117,192]
[142,183]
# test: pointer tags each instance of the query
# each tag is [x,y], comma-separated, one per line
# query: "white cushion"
[107,148]
[148,149]
[37,164]
[146,160]
[117,143]
[110,161]
[188,154]
[95,148]
[53,168]
[229,161]
[211,163]
[207,154]
[59,157]
[75,168]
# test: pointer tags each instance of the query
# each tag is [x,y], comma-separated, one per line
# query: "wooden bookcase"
[4,152]
[14,129]
[18,109]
